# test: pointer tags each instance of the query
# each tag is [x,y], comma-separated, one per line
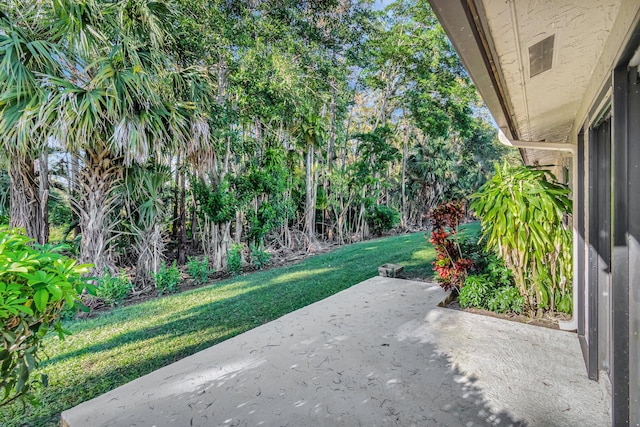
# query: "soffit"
[543,107]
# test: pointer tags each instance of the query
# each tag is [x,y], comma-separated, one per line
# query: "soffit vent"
[541,56]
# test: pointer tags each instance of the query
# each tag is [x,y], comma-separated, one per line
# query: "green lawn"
[126,343]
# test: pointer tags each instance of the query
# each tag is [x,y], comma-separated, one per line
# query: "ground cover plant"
[128,342]
[492,288]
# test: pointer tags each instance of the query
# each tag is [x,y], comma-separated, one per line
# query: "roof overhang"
[496,41]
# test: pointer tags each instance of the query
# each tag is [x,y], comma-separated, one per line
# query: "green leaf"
[41,298]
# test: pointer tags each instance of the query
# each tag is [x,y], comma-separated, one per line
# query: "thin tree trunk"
[25,210]
[182,224]
[75,180]
[176,203]
[310,207]
[43,166]
[238,228]
[405,151]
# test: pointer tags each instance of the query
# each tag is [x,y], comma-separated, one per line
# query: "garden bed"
[549,320]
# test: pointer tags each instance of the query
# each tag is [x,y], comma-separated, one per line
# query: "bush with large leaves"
[523,214]
[35,284]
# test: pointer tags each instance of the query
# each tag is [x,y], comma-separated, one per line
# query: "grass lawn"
[128,342]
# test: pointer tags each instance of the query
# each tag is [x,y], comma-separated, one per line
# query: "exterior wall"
[618,304]
[601,76]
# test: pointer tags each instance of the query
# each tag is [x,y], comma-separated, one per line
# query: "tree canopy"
[167,128]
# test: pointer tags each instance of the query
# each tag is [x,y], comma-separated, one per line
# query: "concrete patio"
[379,353]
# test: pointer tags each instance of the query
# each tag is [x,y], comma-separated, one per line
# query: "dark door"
[599,283]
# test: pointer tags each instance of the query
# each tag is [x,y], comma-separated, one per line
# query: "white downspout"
[570,325]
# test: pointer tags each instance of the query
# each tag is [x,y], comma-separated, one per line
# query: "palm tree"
[147,213]
[99,88]
[29,56]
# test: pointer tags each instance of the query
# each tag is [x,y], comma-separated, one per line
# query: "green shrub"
[198,270]
[36,283]
[113,289]
[475,252]
[167,279]
[382,218]
[523,219]
[475,292]
[234,259]
[497,272]
[506,299]
[259,257]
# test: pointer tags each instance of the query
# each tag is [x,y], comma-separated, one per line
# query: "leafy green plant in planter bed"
[523,220]
[234,259]
[492,290]
[36,283]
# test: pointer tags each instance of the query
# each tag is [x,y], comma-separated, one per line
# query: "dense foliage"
[492,288]
[36,283]
[524,219]
[147,131]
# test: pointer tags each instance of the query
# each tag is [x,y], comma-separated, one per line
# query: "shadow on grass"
[57,399]
[261,297]
[253,307]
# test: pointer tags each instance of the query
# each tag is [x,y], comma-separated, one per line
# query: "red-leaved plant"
[450,266]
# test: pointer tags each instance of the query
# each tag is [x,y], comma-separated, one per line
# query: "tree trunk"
[217,242]
[176,202]
[43,165]
[98,178]
[310,206]
[150,250]
[182,224]
[405,151]
[25,210]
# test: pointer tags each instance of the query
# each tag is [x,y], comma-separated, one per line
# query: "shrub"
[497,272]
[475,292]
[475,252]
[451,266]
[167,279]
[234,259]
[259,257]
[198,270]
[382,218]
[36,283]
[506,299]
[523,219]
[113,289]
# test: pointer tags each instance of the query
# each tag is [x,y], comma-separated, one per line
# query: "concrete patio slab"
[379,353]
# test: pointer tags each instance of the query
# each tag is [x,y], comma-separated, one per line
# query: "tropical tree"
[29,57]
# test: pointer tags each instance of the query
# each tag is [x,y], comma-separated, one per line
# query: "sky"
[381,4]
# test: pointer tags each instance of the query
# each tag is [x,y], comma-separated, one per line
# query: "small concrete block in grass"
[390,270]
